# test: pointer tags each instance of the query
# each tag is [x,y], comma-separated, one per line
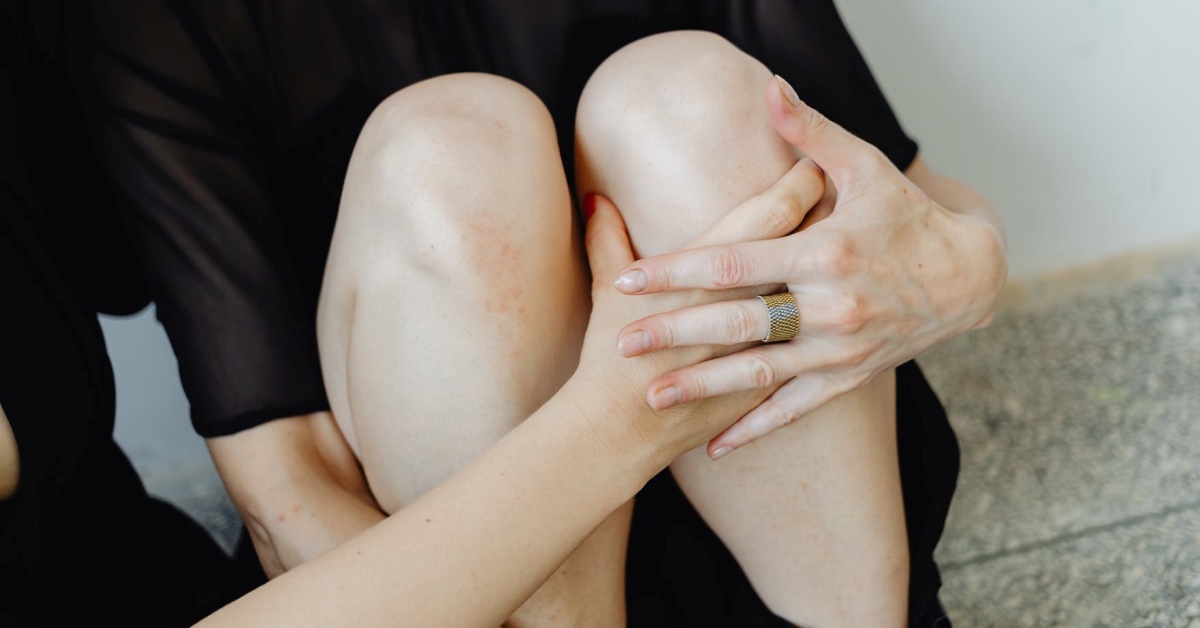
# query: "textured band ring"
[784,316]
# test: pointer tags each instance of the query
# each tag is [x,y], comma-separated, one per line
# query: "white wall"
[1078,119]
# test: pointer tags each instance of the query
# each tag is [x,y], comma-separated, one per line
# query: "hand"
[888,274]
[615,385]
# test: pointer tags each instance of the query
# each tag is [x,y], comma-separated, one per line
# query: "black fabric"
[81,542]
[229,125]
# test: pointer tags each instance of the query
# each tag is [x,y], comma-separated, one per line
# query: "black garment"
[81,542]
[230,124]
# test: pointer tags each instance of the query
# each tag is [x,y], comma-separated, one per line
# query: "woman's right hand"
[612,389]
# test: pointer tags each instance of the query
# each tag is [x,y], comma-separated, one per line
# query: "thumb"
[841,154]
[607,241]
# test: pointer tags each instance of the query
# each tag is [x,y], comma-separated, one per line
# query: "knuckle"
[760,373]
[783,213]
[850,313]
[837,256]
[658,275]
[728,268]
[812,182]
[816,123]
[662,333]
[736,325]
[871,160]
[592,240]
[693,387]
[786,416]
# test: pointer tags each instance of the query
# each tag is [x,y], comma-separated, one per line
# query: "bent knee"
[447,167]
[676,80]
[442,126]
[675,129]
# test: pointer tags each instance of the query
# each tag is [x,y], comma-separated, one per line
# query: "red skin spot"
[281,518]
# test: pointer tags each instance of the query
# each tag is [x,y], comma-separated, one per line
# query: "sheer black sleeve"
[180,133]
[806,42]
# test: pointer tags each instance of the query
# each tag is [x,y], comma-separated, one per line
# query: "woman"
[453,221]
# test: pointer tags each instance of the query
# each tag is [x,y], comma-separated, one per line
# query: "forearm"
[297,486]
[475,547]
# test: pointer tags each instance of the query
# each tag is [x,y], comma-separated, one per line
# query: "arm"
[217,239]
[297,486]
[471,550]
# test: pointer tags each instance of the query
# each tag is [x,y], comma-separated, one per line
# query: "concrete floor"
[1078,413]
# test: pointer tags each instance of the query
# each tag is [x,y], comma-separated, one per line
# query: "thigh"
[454,297]
[674,129]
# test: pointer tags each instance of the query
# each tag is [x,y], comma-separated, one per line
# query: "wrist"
[984,261]
[619,428]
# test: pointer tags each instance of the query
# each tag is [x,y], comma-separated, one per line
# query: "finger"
[607,241]
[722,323]
[753,368]
[798,397]
[838,152]
[775,213]
[743,264]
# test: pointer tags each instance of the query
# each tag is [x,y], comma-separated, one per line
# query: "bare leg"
[674,129]
[454,305]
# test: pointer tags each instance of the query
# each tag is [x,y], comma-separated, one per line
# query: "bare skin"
[450,328]
[454,307]
[474,548]
[10,462]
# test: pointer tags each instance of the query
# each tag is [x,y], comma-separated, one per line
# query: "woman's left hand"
[886,275]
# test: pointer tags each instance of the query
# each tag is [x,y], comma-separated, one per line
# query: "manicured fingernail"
[785,88]
[632,281]
[589,205]
[721,451]
[667,397]
[633,344]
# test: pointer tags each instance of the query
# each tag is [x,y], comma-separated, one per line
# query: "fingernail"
[589,205]
[721,451]
[633,344]
[632,281]
[785,88]
[667,397]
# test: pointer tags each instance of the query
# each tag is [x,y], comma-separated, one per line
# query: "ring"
[784,316]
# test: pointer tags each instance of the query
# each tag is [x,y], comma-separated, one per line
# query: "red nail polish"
[589,205]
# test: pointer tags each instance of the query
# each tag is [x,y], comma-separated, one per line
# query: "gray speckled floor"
[1078,412]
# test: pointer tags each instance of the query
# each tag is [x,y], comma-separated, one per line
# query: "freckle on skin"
[428,520]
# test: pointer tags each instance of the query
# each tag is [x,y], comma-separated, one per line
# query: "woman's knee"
[683,112]
[445,165]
